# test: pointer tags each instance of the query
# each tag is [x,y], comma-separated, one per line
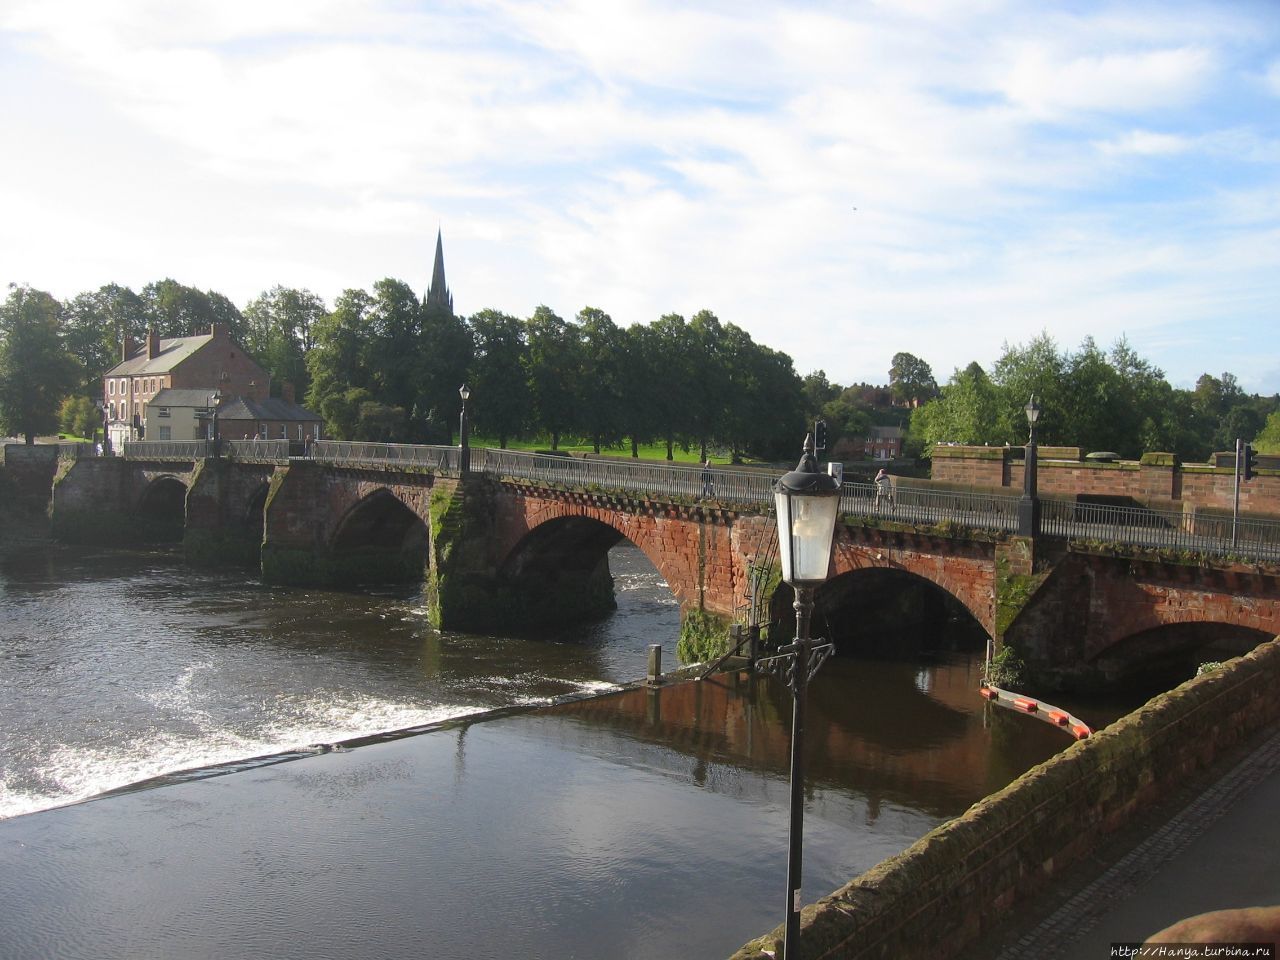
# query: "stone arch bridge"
[518,540]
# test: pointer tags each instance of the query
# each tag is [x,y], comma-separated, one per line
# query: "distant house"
[883,443]
[180,414]
[185,379]
[275,418]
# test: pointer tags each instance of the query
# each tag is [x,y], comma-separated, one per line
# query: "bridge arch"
[881,611]
[379,539]
[161,509]
[1161,657]
[558,572]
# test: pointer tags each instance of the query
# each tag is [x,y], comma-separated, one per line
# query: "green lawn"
[653,451]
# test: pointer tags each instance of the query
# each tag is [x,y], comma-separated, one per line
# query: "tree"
[444,355]
[1037,368]
[339,362]
[78,416]
[36,370]
[552,358]
[175,310]
[818,392]
[600,377]
[967,411]
[95,325]
[911,380]
[278,332]
[500,392]
[394,351]
[710,388]
[1268,438]
[670,351]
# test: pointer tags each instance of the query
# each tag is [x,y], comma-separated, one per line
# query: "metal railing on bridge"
[357,453]
[260,451]
[1195,533]
[1134,526]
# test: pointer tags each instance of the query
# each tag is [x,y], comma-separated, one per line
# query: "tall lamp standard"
[464,453]
[807,503]
[1029,505]
[214,400]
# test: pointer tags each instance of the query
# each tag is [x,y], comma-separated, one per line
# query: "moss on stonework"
[1013,592]
[703,637]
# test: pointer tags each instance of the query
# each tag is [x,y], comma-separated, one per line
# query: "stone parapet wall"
[959,881]
[29,468]
[1157,480]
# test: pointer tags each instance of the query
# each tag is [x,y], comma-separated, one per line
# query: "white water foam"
[77,774]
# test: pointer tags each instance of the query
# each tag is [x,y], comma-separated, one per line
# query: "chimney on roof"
[153,344]
[286,392]
[216,328]
[127,346]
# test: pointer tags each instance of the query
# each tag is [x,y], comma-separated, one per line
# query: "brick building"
[200,372]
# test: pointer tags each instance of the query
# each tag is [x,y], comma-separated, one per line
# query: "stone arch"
[161,509]
[883,611]
[379,539]
[558,571]
[1160,657]
[963,572]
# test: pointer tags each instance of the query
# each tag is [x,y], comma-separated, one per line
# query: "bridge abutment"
[90,502]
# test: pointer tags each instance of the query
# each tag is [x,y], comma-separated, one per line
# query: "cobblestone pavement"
[1220,850]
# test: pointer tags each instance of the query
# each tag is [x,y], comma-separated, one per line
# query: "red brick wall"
[1186,485]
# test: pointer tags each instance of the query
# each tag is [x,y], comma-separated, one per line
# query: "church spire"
[438,294]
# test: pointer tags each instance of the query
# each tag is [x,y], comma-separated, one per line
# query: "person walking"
[884,488]
[708,488]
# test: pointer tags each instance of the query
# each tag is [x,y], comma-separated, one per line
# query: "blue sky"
[843,180]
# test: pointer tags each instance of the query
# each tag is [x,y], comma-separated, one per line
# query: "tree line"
[1098,400]
[384,365]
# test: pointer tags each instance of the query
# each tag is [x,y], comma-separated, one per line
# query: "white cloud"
[648,158]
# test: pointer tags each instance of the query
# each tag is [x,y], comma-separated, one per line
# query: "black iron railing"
[753,489]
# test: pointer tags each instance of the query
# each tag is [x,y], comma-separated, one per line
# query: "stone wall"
[29,469]
[1158,480]
[959,882]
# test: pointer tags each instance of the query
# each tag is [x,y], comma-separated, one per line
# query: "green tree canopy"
[36,370]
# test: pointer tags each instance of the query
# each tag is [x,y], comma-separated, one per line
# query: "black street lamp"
[1029,505]
[807,504]
[214,400]
[464,453]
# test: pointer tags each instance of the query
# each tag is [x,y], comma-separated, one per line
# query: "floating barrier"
[1044,711]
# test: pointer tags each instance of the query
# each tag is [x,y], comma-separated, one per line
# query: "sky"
[842,180]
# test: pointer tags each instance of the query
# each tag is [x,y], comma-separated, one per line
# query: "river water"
[637,824]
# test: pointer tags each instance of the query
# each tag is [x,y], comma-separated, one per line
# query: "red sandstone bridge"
[519,538]
[914,502]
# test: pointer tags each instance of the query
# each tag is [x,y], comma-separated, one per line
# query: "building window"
[262,431]
[111,388]
[162,412]
[164,433]
[136,385]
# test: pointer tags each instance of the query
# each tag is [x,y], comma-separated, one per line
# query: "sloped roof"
[170,397]
[172,352]
[273,408]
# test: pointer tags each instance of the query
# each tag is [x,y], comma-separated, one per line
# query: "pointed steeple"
[438,294]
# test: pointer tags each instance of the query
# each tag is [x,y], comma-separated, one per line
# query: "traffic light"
[819,435]
[1250,461]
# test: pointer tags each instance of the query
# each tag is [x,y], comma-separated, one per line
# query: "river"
[638,824]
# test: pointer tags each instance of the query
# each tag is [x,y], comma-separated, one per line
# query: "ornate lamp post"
[807,503]
[464,453]
[214,400]
[1029,505]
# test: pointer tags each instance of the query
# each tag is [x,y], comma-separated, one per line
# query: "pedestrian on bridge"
[884,488]
[708,488]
